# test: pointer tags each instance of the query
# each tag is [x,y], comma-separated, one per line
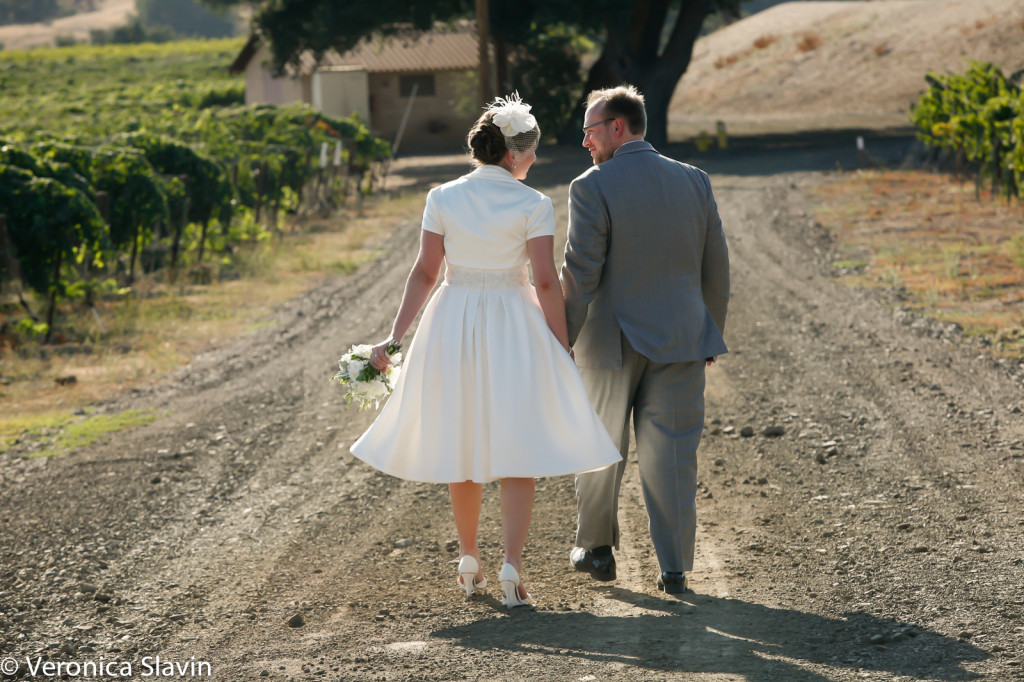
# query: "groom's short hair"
[625,101]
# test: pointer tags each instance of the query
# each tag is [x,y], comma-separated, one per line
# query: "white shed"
[375,80]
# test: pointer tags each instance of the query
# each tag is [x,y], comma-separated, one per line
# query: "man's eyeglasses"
[588,129]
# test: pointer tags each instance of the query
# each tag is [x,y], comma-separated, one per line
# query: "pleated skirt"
[485,392]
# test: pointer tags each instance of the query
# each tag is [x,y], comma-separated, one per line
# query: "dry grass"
[979,25]
[759,44]
[809,41]
[727,60]
[163,326]
[955,257]
[59,432]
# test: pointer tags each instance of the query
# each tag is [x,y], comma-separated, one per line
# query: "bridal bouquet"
[367,385]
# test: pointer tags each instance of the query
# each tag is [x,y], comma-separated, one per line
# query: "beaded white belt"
[485,279]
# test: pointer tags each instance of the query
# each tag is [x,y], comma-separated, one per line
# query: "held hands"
[380,355]
[710,361]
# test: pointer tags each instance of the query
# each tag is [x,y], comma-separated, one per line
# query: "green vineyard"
[118,159]
[977,117]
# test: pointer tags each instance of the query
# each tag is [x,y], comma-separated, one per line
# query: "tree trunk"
[483,25]
[4,269]
[632,56]
[28,309]
[135,252]
[501,65]
[276,206]
[260,184]
[179,228]
[305,180]
[53,296]
[202,239]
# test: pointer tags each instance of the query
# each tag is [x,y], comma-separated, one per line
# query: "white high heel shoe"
[509,578]
[468,568]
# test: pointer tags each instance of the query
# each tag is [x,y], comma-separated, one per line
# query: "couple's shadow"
[703,634]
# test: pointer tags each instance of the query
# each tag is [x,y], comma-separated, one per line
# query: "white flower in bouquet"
[364,383]
[355,367]
[393,370]
[376,389]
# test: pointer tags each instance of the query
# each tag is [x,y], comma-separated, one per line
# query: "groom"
[646,283]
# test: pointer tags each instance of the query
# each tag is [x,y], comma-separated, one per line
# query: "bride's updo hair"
[487,145]
[485,141]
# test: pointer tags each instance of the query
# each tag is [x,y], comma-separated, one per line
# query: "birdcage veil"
[517,124]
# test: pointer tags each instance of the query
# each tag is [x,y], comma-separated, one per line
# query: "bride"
[488,389]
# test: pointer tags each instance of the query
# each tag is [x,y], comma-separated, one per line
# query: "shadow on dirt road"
[708,635]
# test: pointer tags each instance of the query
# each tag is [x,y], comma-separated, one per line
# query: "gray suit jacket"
[647,257]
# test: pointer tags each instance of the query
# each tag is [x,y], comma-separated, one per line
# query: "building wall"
[435,121]
[262,88]
[340,92]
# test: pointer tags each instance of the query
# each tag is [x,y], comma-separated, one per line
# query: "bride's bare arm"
[418,286]
[549,289]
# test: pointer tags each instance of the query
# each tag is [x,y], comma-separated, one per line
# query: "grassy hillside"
[91,92]
[106,15]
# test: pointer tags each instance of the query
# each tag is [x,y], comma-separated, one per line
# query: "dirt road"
[877,538]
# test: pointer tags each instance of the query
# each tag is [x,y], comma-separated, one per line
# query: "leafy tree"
[295,26]
[1014,140]
[137,198]
[185,17]
[61,172]
[645,42]
[206,186]
[28,11]
[974,116]
[51,226]
[131,32]
[546,72]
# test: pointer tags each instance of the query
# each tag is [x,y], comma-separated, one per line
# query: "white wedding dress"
[486,391]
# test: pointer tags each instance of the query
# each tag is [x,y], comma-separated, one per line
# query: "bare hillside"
[109,13]
[835,64]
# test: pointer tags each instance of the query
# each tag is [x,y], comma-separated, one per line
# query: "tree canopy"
[185,17]
[648,43]
[27,11]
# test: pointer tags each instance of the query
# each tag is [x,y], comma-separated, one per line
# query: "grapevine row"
[977,117]
[75,210]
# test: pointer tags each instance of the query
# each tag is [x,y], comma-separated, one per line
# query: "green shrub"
[977,116]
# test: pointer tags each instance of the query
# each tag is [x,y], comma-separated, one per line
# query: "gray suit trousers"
[666,402]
